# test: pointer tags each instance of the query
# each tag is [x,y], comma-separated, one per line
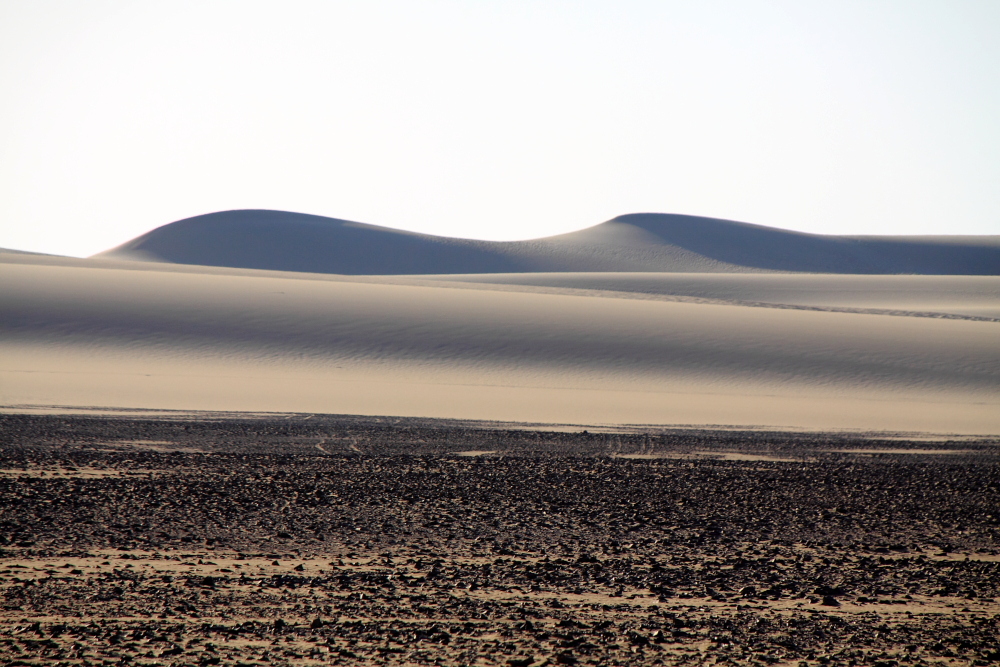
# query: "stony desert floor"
[296,540]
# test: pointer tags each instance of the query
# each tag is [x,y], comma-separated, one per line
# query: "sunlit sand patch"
[476,452]
[203,563]
[187,563]
[650,457]
[206,637]
[941,452]
[144,443]
[939,556]
[79,472]
[743,456]
[928,437]
[935,555]
[721,456]
[916,606]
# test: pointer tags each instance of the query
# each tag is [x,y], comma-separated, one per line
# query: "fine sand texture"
[285,241]
[817,352]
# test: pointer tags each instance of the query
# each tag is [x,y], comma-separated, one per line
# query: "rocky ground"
[334,540]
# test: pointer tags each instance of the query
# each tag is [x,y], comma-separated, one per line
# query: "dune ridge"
[645,319]
[646,242]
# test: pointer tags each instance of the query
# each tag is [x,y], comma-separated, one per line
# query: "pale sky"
[497,119]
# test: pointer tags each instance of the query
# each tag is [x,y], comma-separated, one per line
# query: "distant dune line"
[644,242]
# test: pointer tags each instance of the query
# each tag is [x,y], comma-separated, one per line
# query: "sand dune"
[973,297]
[11,251]
[283,241]
[93,333]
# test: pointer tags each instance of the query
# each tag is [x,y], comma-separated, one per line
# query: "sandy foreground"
[776,351]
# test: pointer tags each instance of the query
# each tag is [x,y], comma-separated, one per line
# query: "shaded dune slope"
[949,295]
[11,251]
[277,240]
[552,349]
[552,334]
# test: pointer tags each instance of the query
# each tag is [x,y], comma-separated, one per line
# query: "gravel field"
[309,539]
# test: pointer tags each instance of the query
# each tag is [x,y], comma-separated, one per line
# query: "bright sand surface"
[817,352]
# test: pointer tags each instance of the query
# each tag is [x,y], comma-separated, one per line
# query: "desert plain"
[682,456]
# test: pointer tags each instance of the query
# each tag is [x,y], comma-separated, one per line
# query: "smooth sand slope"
[924,296]
[693,351]
[283,241]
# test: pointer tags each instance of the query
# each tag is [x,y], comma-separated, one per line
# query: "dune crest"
[650,242]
